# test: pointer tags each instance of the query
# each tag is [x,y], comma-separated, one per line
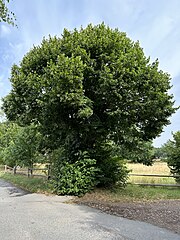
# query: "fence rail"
[6,168]
[157,184]
[156,176]
[153,175]
[30,172]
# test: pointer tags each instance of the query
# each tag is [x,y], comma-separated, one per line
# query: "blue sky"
[154,23]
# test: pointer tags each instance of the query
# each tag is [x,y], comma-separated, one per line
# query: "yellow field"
[159,168]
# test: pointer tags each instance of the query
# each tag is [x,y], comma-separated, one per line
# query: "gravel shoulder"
[162,213]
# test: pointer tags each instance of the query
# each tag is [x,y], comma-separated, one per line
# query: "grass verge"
[34,185]
[130,193]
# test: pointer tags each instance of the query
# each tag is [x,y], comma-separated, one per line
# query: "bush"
[110,163]
[74,178]
[113,171]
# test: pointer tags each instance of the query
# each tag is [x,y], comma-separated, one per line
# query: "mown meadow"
[158,168]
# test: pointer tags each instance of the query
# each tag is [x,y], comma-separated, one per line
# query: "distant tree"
[88,89]
[8,133]
[160,153]
[143,152]
[172,148]
[6,15]
[24,150]
[19,145]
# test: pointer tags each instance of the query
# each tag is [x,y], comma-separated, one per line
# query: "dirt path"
[164,214]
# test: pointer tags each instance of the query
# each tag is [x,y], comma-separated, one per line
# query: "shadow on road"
[13,190]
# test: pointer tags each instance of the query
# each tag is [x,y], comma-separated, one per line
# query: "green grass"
[117,194]
[132,193]
[147,193]
[34,185]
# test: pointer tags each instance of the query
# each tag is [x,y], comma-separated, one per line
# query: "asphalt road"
[38,217]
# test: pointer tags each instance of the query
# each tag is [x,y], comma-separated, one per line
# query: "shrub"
[113,171]
[110,163]
[74,178]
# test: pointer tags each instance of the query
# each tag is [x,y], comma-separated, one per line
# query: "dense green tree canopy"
[5,14]
[92,85]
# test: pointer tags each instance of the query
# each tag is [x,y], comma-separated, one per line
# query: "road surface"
[26,216]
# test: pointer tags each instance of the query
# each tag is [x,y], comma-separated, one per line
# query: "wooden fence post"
[14,170]
[49,172]
[30,172]
[5,168]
